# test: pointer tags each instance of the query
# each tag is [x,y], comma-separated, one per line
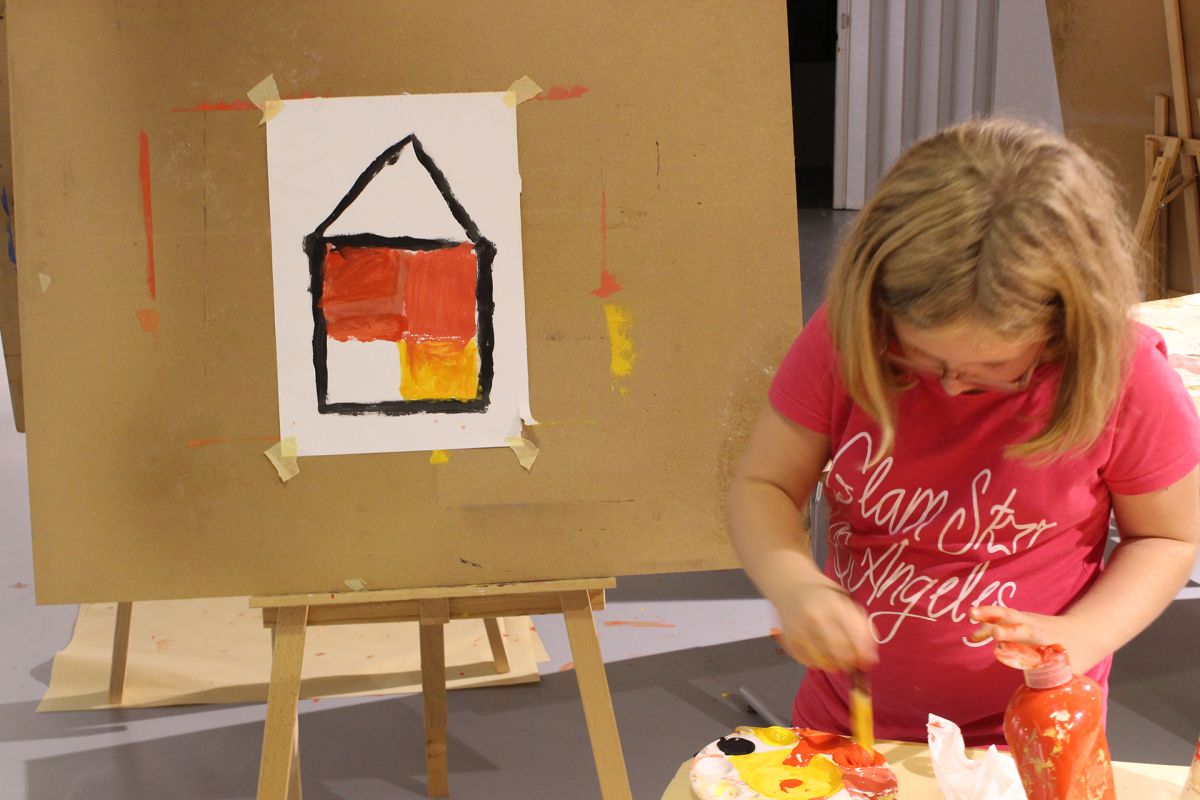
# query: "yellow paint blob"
[775,735]
[438,370]
[619,322]
[765,773]
[439,457]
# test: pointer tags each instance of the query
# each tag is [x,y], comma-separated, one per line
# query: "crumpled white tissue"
[990,777]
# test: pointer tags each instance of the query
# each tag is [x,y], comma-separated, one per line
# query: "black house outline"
[315,245]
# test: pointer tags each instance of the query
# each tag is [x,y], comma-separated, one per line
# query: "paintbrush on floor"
[862,722]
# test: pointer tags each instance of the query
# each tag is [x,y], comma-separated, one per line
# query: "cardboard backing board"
[147,479]
[10,330]
[1111,58]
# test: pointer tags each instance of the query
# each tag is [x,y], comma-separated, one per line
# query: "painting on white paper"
[396,259]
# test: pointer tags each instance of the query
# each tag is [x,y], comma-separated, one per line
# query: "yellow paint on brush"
[765,773]
[862,722]
[619,323]
[438,370]
[439,457]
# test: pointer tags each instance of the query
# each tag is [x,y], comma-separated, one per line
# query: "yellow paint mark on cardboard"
[439,457]
[527,451]
[621,365]
[44,279]
[265,95]
[283,457]
[522,89]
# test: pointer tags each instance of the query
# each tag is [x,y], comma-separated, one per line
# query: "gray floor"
[674,689]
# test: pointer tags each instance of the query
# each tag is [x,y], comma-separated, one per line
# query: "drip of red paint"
[562,93]
[608,282]
[236,105]
[147,217]
[787,784]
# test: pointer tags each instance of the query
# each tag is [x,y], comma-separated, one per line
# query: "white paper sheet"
[317,150]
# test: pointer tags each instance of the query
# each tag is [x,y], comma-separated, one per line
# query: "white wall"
[1025,83]
[909,67]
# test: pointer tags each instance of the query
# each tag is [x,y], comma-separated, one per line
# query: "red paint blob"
[608,285]
[864,783]
[148,319]
[147,216]
[844,751]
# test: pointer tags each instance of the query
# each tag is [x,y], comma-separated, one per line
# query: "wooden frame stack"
[1163,151]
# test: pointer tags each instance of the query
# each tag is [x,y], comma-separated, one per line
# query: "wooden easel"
[1162,152]
[288,617]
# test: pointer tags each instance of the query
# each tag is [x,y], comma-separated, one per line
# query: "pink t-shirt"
[946,522]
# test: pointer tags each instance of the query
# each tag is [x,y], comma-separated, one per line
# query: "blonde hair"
[1005,225]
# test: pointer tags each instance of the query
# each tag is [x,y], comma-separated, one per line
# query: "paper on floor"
[216,651]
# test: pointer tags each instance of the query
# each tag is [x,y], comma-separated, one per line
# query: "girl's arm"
[1160,537]
[822,627]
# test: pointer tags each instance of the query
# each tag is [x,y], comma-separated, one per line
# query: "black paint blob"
[735,746]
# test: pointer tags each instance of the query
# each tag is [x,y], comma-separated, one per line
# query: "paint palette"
[792,764]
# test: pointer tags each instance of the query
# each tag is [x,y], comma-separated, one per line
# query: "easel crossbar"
[430,593]
[368,610]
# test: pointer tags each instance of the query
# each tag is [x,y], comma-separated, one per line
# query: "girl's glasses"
[942,372]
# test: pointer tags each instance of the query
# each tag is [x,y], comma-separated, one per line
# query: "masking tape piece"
[44,279]
[285,465]
[522,89]
[356,584]
[288,447]
[527,451]
[439,457]
[266,96]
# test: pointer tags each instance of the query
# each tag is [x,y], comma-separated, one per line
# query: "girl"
[983,401]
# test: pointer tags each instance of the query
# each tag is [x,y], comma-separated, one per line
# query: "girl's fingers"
[1008,625]
[997,615]
[1023,633]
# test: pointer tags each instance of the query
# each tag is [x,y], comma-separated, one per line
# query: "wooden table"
[915,771]
[1178,320]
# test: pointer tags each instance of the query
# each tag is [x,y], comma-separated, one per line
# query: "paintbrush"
[862,723]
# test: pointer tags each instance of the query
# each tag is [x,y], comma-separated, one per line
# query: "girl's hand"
[1009,625]
[823,628]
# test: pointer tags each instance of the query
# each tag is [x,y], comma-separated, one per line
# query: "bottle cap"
[1049,675]
[1044,667]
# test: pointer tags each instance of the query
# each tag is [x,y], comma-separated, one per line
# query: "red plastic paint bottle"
[1054,727]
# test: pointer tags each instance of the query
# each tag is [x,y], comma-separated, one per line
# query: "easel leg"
[120,654]
[280,743]
[294,790]
[593,690]
[496,640]
[434,616]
